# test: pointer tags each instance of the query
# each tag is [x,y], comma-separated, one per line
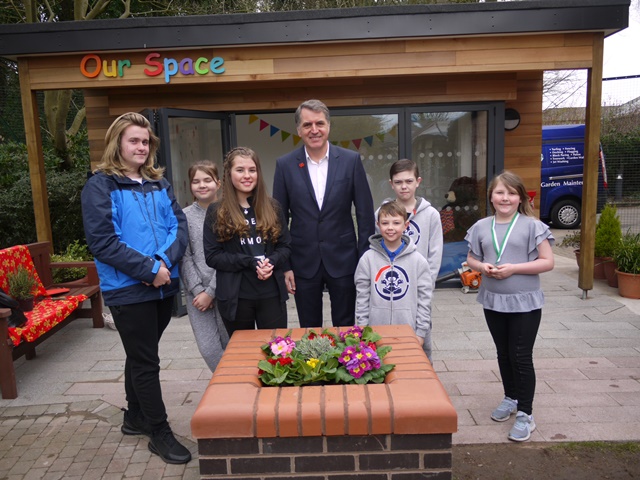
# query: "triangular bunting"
[357,142]
[369,140]
[345,143]
[263,125]
[284,135]
[252,118]
[394,131]
[274,130]
[296,140]
[380,136]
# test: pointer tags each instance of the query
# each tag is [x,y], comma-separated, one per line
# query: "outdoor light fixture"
[511,119]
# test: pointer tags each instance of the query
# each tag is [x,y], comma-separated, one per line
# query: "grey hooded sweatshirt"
[425,231]
[393,292]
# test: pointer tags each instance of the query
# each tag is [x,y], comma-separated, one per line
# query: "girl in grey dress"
[198,278]
[511,249]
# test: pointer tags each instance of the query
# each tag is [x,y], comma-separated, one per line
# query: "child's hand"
[503,271]
[203,302]
[420,341]
[487,269]
[264,269]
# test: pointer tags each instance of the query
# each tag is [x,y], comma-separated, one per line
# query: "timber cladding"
[351,74]
[346,60]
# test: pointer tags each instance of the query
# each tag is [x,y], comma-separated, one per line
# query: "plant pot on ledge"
[25,304]
[627,258]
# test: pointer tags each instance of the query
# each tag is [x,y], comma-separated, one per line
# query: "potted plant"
[627,258]
[21,287]
[572,240]
[608,235]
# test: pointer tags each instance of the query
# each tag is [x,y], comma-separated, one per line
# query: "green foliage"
[608,232]
[17,222]
[627,254]
[75,252]
[21,283]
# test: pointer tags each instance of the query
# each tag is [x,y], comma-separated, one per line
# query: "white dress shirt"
[318,172]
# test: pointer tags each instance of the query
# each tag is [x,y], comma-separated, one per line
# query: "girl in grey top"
[198,278]
[511,249]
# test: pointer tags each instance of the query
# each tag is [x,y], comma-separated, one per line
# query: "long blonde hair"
[513,182]
[230,220]
[112,163]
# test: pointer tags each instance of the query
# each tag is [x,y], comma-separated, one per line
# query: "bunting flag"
[357,142]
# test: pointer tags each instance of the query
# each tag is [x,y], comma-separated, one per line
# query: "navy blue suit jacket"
[326,234]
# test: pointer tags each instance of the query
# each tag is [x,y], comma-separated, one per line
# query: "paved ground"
[66,421]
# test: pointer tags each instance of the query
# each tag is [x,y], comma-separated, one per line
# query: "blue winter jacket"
[129,228]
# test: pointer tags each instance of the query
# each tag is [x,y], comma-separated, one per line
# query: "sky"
[621,49]
[621,58]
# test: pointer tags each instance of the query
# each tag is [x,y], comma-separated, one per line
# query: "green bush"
[608,232]
[17,221]
[74,252]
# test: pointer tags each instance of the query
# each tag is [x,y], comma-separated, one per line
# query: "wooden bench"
[49,315]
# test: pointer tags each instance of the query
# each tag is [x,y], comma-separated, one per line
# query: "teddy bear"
[461,210]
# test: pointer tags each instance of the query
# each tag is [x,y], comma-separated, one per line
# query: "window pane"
[450,149]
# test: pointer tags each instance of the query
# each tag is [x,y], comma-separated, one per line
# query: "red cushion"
[45,315]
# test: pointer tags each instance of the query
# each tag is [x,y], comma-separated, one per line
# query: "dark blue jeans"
[514,335]
[140,326]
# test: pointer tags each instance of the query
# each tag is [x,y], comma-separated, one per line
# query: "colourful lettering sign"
[92,65]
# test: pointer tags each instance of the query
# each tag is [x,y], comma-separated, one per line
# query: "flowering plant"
[349,357]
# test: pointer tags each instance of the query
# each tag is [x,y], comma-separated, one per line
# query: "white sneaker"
[521,430]
[504,410]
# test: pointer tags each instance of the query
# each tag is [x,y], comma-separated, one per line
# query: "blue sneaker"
[521,430]
[504,410]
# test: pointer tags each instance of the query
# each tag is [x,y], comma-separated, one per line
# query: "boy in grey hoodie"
[424,226]
[393,280]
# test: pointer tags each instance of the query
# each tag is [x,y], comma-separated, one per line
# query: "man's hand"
[290,282]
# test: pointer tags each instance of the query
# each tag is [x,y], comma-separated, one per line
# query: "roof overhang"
[330,25]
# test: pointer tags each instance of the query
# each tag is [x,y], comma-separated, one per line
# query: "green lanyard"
[500,248]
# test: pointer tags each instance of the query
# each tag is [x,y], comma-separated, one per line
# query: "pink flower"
[282,346]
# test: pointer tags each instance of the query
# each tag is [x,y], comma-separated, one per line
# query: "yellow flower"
[312,362]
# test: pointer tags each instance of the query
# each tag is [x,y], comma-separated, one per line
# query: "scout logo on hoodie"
[391,283]
[413,232]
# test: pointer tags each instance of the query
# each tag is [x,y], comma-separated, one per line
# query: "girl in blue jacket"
[137,234]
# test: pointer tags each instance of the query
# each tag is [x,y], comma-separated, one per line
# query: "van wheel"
[566,214]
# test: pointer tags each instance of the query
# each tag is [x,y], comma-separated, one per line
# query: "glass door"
[188,136]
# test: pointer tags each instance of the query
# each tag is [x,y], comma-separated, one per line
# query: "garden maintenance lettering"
[92,65]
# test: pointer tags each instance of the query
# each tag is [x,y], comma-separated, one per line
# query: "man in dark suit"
[317,186]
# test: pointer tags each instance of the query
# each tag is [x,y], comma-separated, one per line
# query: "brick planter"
[397,430]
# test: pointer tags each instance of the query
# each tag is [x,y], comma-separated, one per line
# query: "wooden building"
[455,87]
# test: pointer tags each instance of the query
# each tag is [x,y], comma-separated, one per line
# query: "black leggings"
[265,313]
[514,335]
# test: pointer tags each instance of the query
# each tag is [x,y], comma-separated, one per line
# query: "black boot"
[165,445]
[134,424]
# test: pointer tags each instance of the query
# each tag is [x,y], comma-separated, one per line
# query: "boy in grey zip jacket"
[393,280]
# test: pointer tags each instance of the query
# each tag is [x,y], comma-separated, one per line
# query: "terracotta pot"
[628,284]
[598,268]
[25,304]
[610,272]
